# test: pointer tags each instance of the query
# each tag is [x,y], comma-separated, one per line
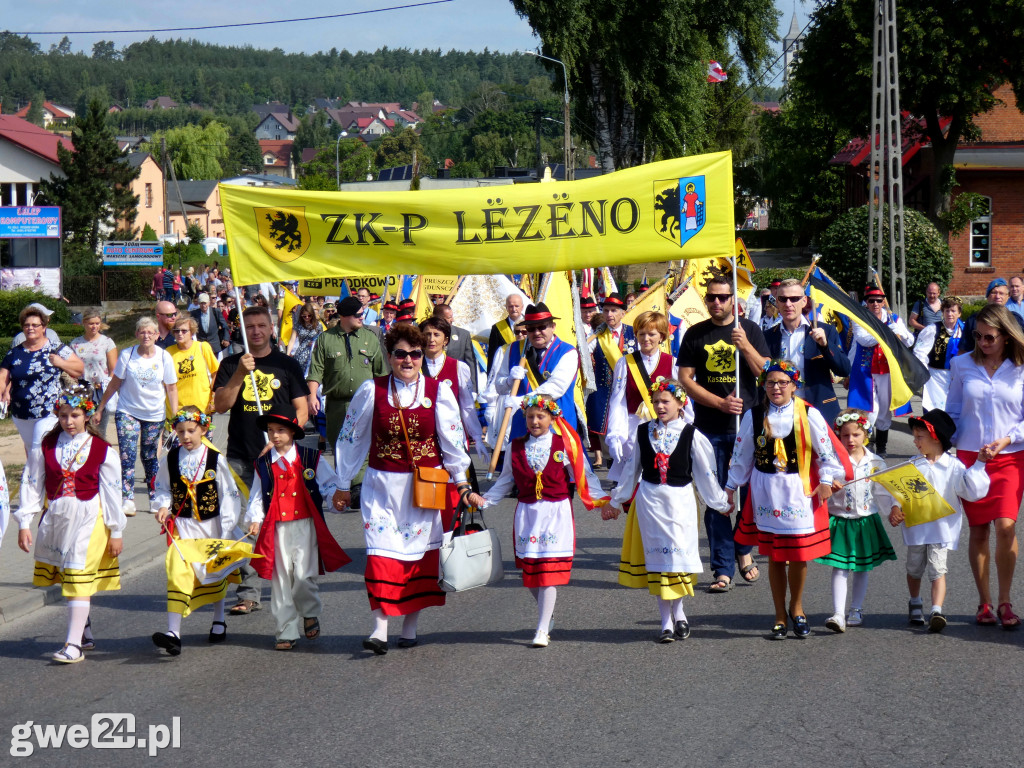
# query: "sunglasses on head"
[401,354]
[720,297]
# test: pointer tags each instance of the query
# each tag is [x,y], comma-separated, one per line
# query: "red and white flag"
[715,73]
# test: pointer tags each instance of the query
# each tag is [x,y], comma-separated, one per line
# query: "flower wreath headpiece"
[202,419]
[76,399]
[782,366]
[859,419]
[661,384]
[540,400]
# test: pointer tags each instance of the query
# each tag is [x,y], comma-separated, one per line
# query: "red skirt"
[544,571]
[797,548]
[1006,487]
[401,587]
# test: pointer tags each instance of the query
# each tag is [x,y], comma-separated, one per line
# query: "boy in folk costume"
[660,546]
[196,498]
[286,510]
[79,536]
[542,467]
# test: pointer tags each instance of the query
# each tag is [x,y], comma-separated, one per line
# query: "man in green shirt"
[343,358]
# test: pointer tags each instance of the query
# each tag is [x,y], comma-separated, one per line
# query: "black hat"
[283,414]
[538,313]
[613,300]
[390,305]
[938,424]
[588,303]
[350,306]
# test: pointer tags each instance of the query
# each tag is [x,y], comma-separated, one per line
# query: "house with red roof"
[277,158]
[53,114]
[992,166]
[28,154]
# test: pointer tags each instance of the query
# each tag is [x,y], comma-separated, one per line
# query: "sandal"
[88,641]
[1007,617]
[311,626]
[285,645]
[64,657]
[746,569]
[244,607]
[985,615]
[721,584]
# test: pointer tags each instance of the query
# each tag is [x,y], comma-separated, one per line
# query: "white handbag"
[470,556]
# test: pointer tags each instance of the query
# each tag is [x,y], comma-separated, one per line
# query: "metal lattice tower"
[886,170]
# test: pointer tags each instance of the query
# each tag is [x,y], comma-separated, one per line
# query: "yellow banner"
[291,301]
[690,307]
[705,269]
[439,283]
[673,209]
[920,502]
[332,286]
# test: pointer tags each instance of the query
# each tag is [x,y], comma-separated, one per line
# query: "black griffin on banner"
[669,204]
[284,229]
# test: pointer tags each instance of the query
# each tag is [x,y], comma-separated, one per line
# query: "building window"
[149,195]
[981,236]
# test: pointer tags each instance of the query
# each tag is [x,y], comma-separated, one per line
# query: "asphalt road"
[473,693]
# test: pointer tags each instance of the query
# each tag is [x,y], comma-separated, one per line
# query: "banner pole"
[736,324]
[245,345]
[883,472]
[501,433]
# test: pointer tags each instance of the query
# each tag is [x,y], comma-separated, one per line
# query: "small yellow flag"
[920,502]
[216,554]
[291,301]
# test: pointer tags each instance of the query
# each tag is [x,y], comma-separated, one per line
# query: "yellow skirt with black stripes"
[100,574]
[634,574]
[185,592]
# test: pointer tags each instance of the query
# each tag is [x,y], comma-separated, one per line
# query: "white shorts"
[926,557]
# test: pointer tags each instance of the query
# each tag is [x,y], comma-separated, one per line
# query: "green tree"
[105,50]
[844,251]
[35,109]
[312,132]
[355,161]
[94,186]
[148,234]
[63,48]
[952,58]
[196,151]
[244,155]
[396,149]
[195,233]
[638,70]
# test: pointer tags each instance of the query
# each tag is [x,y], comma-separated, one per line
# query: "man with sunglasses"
[870,385]
[816,352]
[166,315]
[707,370]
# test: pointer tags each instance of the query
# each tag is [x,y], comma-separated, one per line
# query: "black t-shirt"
[708,349]
[280,380]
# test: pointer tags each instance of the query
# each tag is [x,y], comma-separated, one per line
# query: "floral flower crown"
[182,416]
[75,400]
[782,366]
[662,384]
[540,400]
[858,418]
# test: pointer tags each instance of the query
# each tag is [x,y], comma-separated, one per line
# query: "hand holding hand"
[609,512]
[895,516]
[476,500]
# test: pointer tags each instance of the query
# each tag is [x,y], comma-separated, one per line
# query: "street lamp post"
[570,174]
[337,163]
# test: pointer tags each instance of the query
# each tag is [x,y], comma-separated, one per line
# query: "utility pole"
[537,114]
[885,180]
[163,182]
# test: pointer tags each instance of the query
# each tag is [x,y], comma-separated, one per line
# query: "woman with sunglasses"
[196,365]
[400,422]
[986,401]
[870,386]
[306,330]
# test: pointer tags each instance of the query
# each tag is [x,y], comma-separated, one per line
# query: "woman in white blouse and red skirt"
[399,421]
[986,400]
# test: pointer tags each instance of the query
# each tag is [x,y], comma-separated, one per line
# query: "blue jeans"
[720,529]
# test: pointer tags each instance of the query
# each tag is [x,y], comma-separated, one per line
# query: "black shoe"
[353,504]
[218,637]
[682,630]
[379,647]
[169,643]
[881,441]
[407,642]
[666,636]
[937,623]
[778,632]
[800,626]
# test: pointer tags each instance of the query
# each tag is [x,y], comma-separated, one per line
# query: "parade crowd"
[733,422]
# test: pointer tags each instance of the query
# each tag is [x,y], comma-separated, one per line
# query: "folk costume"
[287,500]
[402,540]
[936,346]
[542,470]
[608,347]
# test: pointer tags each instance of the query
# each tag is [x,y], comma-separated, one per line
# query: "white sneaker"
[540,640]
[128,509]
[836,623]
[855,618]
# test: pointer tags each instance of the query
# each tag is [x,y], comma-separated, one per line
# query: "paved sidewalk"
[143,542]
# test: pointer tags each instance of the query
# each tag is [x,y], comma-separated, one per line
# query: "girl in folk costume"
[660,548]
[858,538]
[870,385]
[630,401]
[79,536]
[196,498]
[786,512]
[936,346]
[541,467]
[286,510]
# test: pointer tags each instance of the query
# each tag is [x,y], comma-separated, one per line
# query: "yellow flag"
[703,270]
[424,306]
[690,307]
[678,208]
[216,554]
[291,301]
[920,501]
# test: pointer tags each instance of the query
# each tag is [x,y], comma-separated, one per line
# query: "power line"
[239,24]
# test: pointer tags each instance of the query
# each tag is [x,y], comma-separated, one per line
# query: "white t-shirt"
[142,393]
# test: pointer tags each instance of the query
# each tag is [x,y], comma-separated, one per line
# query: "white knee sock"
[409,626]
[218,615]
[839,577]
[545,607]
[78,615]
[665,609]
[678,614]
[860,589]
[380,625]
[174,624]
